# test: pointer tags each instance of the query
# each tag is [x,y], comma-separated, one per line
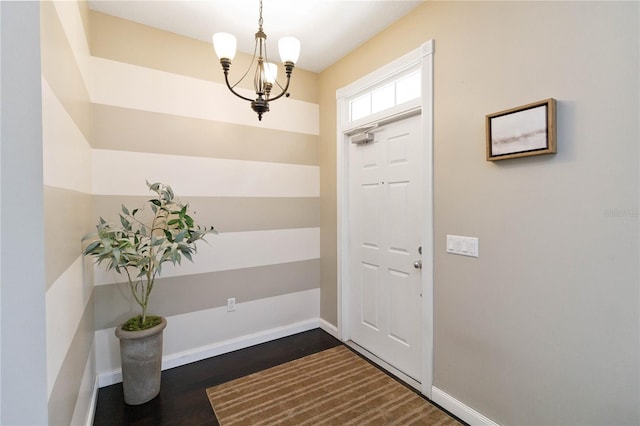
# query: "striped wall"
[67,180]
[161,112]
[115,115]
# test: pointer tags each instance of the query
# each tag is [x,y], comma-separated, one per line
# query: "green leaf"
[125,223]
[187,255]
[125,210]
[158,242]
[178,238]
[155,202]
[89,236]
[91,247]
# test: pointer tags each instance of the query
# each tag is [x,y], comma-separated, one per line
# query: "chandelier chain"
[260,20]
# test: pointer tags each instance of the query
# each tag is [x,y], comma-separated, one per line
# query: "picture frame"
[522,131]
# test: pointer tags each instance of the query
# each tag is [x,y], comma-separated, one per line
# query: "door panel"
[385,193]
[369,294]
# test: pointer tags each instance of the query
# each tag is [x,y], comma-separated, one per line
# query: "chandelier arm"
[226,80]
[266,58]
[280,86]
[289,70]
[237,82]
[284,91]
[253,59]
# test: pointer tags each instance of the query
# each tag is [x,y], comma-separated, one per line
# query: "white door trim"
[421,57]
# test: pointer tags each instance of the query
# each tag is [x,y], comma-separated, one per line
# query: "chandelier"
[265,71]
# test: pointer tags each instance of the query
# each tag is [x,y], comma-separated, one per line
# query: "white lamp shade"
[224,45]
[270,72]
[289,48]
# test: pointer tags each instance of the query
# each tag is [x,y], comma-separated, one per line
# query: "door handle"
[417,264]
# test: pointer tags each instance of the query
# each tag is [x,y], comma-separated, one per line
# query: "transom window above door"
[386,96]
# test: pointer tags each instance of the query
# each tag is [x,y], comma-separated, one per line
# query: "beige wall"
[542,328]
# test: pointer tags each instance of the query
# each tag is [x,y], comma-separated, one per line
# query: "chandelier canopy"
[265,72]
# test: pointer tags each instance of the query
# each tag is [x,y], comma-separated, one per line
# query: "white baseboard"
[110,378]
[204,352]
[94,401]
[329,328]
[459,409]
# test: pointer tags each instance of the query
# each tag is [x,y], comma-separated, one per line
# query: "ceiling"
[327,29]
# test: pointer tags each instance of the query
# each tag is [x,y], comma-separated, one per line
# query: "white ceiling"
[327,29]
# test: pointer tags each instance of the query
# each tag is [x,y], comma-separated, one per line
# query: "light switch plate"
[465,246]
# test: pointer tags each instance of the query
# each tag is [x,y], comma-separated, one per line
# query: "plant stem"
[133,291]
[151,270]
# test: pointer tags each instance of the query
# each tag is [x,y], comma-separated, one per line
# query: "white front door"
[385,229]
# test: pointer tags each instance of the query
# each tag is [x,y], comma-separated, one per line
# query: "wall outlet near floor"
[231,304]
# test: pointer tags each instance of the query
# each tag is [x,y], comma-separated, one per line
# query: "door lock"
[417,264]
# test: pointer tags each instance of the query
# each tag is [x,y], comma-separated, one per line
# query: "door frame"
[420,58]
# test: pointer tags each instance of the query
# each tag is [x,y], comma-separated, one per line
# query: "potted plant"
[137,248]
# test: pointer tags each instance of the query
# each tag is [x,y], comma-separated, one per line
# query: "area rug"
[332,387]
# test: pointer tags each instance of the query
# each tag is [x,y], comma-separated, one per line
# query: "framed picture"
[523,131]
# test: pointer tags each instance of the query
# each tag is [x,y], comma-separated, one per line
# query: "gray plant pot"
[141,355]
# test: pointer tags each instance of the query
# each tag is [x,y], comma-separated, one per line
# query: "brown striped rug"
[333,387]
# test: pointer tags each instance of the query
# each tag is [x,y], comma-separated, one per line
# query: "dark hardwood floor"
[182,399]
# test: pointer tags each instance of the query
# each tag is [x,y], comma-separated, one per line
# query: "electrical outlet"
[231,304]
